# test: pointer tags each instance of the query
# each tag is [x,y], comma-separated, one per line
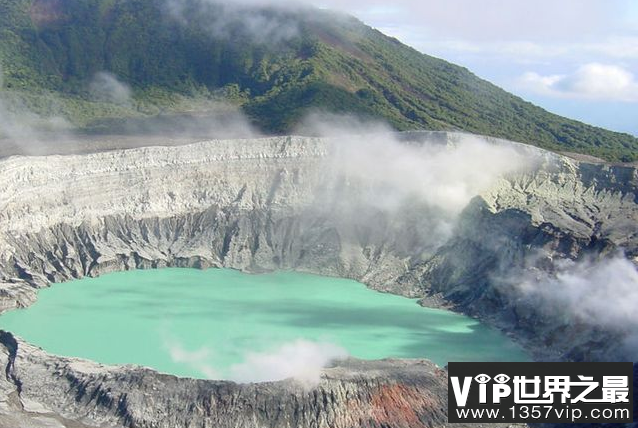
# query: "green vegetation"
[276,64]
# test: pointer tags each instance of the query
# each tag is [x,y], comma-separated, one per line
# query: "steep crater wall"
[279,203]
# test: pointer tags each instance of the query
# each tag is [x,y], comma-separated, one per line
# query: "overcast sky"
[578,58]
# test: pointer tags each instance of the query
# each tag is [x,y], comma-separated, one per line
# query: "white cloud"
[591,81]
[619,47]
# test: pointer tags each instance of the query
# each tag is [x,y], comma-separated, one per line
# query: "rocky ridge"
[81,393]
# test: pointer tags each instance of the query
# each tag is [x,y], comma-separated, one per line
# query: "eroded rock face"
[527,225]
[277,203]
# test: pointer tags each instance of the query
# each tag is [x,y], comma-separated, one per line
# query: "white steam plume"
[105,86]
[444,176]
[599,293]
[198,360]
[421,185]
[23,130]
[301,360]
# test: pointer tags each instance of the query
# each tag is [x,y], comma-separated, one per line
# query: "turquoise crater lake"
[221,323]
